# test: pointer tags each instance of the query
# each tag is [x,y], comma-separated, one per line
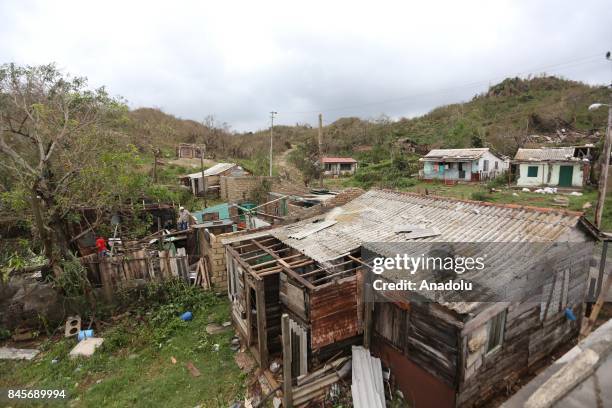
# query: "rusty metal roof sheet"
[546,154]
[372,217]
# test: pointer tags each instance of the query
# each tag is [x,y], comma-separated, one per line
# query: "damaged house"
[552,166]
[190,151]
[447,352]
[211,182]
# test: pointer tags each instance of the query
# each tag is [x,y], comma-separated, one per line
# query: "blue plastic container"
[570,314]
[83,334]
[187,316]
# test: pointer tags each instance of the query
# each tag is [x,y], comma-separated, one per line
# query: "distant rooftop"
[471,154]
[546,154]
[338,160]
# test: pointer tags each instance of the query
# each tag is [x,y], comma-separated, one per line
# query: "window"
[496,331]
[554,294]
[485,165]
[532,171]
[328,167]
[496,165]
[346,166]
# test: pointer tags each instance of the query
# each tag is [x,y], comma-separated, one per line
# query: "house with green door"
[565,167]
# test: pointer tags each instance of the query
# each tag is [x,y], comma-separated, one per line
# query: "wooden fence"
[117,271]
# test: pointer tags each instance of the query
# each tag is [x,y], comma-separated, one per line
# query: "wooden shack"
[190,151]
[211,182]
[268,278]
[440,353]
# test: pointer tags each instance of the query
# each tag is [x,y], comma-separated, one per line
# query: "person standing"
[183,220]
[101,247]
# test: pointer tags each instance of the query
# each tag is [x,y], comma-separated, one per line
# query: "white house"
[338,166]
[551,166]
[472,164]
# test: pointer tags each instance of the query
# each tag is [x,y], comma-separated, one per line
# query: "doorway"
[565,176]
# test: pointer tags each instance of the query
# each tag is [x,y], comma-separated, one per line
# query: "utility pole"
[156,153]
[202,148]
[605,163]
[272,113]
[321,150]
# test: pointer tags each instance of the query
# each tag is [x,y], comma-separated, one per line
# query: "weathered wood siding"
[420,335]
[533,330]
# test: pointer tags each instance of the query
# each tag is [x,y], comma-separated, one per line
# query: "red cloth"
[101,244]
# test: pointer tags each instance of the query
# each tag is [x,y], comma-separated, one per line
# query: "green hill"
[509,111]
[501,118]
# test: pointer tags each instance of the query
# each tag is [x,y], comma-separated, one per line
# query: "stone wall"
[214,255]
[236,189]
[213,252]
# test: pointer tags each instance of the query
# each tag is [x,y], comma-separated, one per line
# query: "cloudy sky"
[239,60]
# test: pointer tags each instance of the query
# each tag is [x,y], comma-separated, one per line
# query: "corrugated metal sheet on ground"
[367,389]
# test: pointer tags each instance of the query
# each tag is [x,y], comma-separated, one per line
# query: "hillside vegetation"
[500,118]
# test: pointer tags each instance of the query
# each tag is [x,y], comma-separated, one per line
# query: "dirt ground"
[192,163]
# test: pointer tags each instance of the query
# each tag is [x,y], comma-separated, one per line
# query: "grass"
[134,367]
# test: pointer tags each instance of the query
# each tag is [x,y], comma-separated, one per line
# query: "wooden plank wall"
[420,336]
[112,273]
[528,336]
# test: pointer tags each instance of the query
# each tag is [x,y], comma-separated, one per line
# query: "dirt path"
[287,170]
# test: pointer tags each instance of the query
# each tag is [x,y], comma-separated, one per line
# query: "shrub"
[498,181]
[480,196]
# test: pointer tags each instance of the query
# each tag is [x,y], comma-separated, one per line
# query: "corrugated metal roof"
[471,154]
[372,217]
[546,154]
[214,170]
[338,160]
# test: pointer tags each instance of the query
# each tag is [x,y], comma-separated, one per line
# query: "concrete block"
[10,353]
[87,347]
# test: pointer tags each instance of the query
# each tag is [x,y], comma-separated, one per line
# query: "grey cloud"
[241,60]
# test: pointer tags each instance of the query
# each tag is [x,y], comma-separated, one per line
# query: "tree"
[55,139]
[306,158]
